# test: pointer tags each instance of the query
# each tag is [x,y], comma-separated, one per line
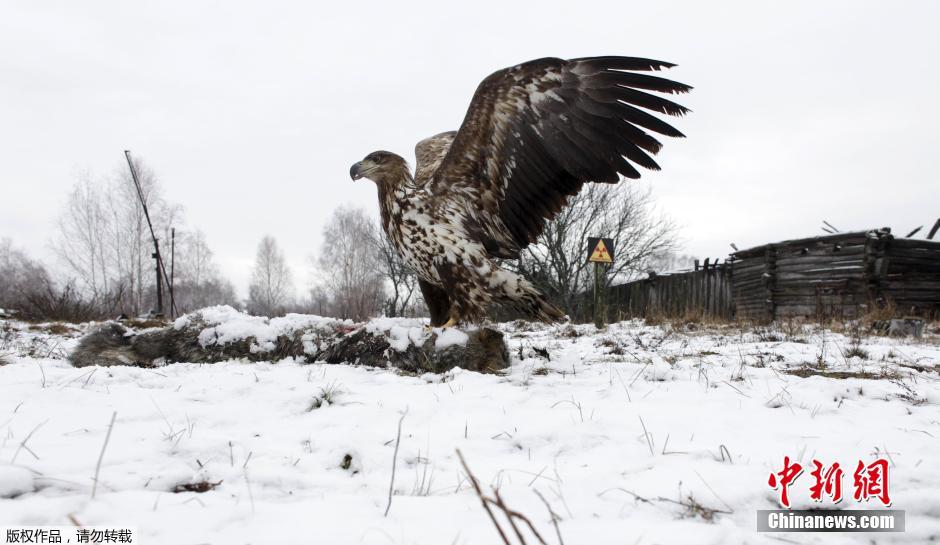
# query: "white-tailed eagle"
[533,135]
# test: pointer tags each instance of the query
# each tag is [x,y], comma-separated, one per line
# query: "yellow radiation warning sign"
[600,250]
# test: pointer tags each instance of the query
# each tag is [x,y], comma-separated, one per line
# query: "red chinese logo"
[828,482]
[787,475]
[870,481]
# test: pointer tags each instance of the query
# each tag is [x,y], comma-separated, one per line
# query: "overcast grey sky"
[251,113]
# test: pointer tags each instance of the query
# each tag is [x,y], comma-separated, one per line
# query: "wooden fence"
[840,276]
[706,292]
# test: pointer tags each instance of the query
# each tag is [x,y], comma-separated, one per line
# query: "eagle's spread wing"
[536,132]
[429,153]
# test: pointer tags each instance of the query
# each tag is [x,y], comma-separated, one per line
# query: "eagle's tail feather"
[549,313]
[534,304]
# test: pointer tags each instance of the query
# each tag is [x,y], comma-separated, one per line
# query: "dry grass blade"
[555,517]
[391,485]
[646,434]
[107,437]
[25,440]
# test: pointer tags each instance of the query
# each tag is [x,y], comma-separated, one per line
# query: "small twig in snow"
[391,485]
[640,372]
[486,506]
[89,377]
[715,493]
[512,524]
[107,437]
[25,440]
[724,450]
[43,374]
[622,383]
[647,435]
[555,517]
[251,497]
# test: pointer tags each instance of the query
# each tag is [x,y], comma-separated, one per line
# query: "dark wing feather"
[536,132]
[429,153]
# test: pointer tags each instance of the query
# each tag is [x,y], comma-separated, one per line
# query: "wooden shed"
[839,276]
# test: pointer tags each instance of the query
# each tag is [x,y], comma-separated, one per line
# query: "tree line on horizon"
[104,267]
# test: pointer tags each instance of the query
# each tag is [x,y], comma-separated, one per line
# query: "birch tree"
[271,289]
[349,265]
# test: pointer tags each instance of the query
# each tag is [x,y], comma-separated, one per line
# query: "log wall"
[909,276]
[840,276]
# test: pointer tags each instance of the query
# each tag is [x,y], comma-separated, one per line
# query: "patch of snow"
[15,481]
[227,325]
[593,420]
[401,332]
[450,337]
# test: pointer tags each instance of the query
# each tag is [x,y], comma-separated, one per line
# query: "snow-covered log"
[222,333]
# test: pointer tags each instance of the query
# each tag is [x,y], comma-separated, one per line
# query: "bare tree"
[29,289]
[104,241]
[272,287]
[557,262]
[105,244]
[198,281]
[349,265]
[81,243]
[20,274]
[401,278]
[196,262]
[129,235]
[318,301]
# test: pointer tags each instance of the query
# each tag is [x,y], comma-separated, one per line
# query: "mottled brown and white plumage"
[533,135]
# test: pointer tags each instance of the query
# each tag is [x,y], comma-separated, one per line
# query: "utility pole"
[173,271]
[156,256]
[161,269]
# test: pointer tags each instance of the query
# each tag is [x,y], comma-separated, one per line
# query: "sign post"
[601,253]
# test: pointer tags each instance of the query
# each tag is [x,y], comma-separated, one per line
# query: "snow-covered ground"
[633,435]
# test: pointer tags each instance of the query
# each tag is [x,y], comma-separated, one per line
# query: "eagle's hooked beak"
[355,171]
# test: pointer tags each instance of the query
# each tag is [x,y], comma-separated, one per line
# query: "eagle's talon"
[431,327]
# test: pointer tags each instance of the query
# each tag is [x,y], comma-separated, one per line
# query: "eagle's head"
[382,167]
